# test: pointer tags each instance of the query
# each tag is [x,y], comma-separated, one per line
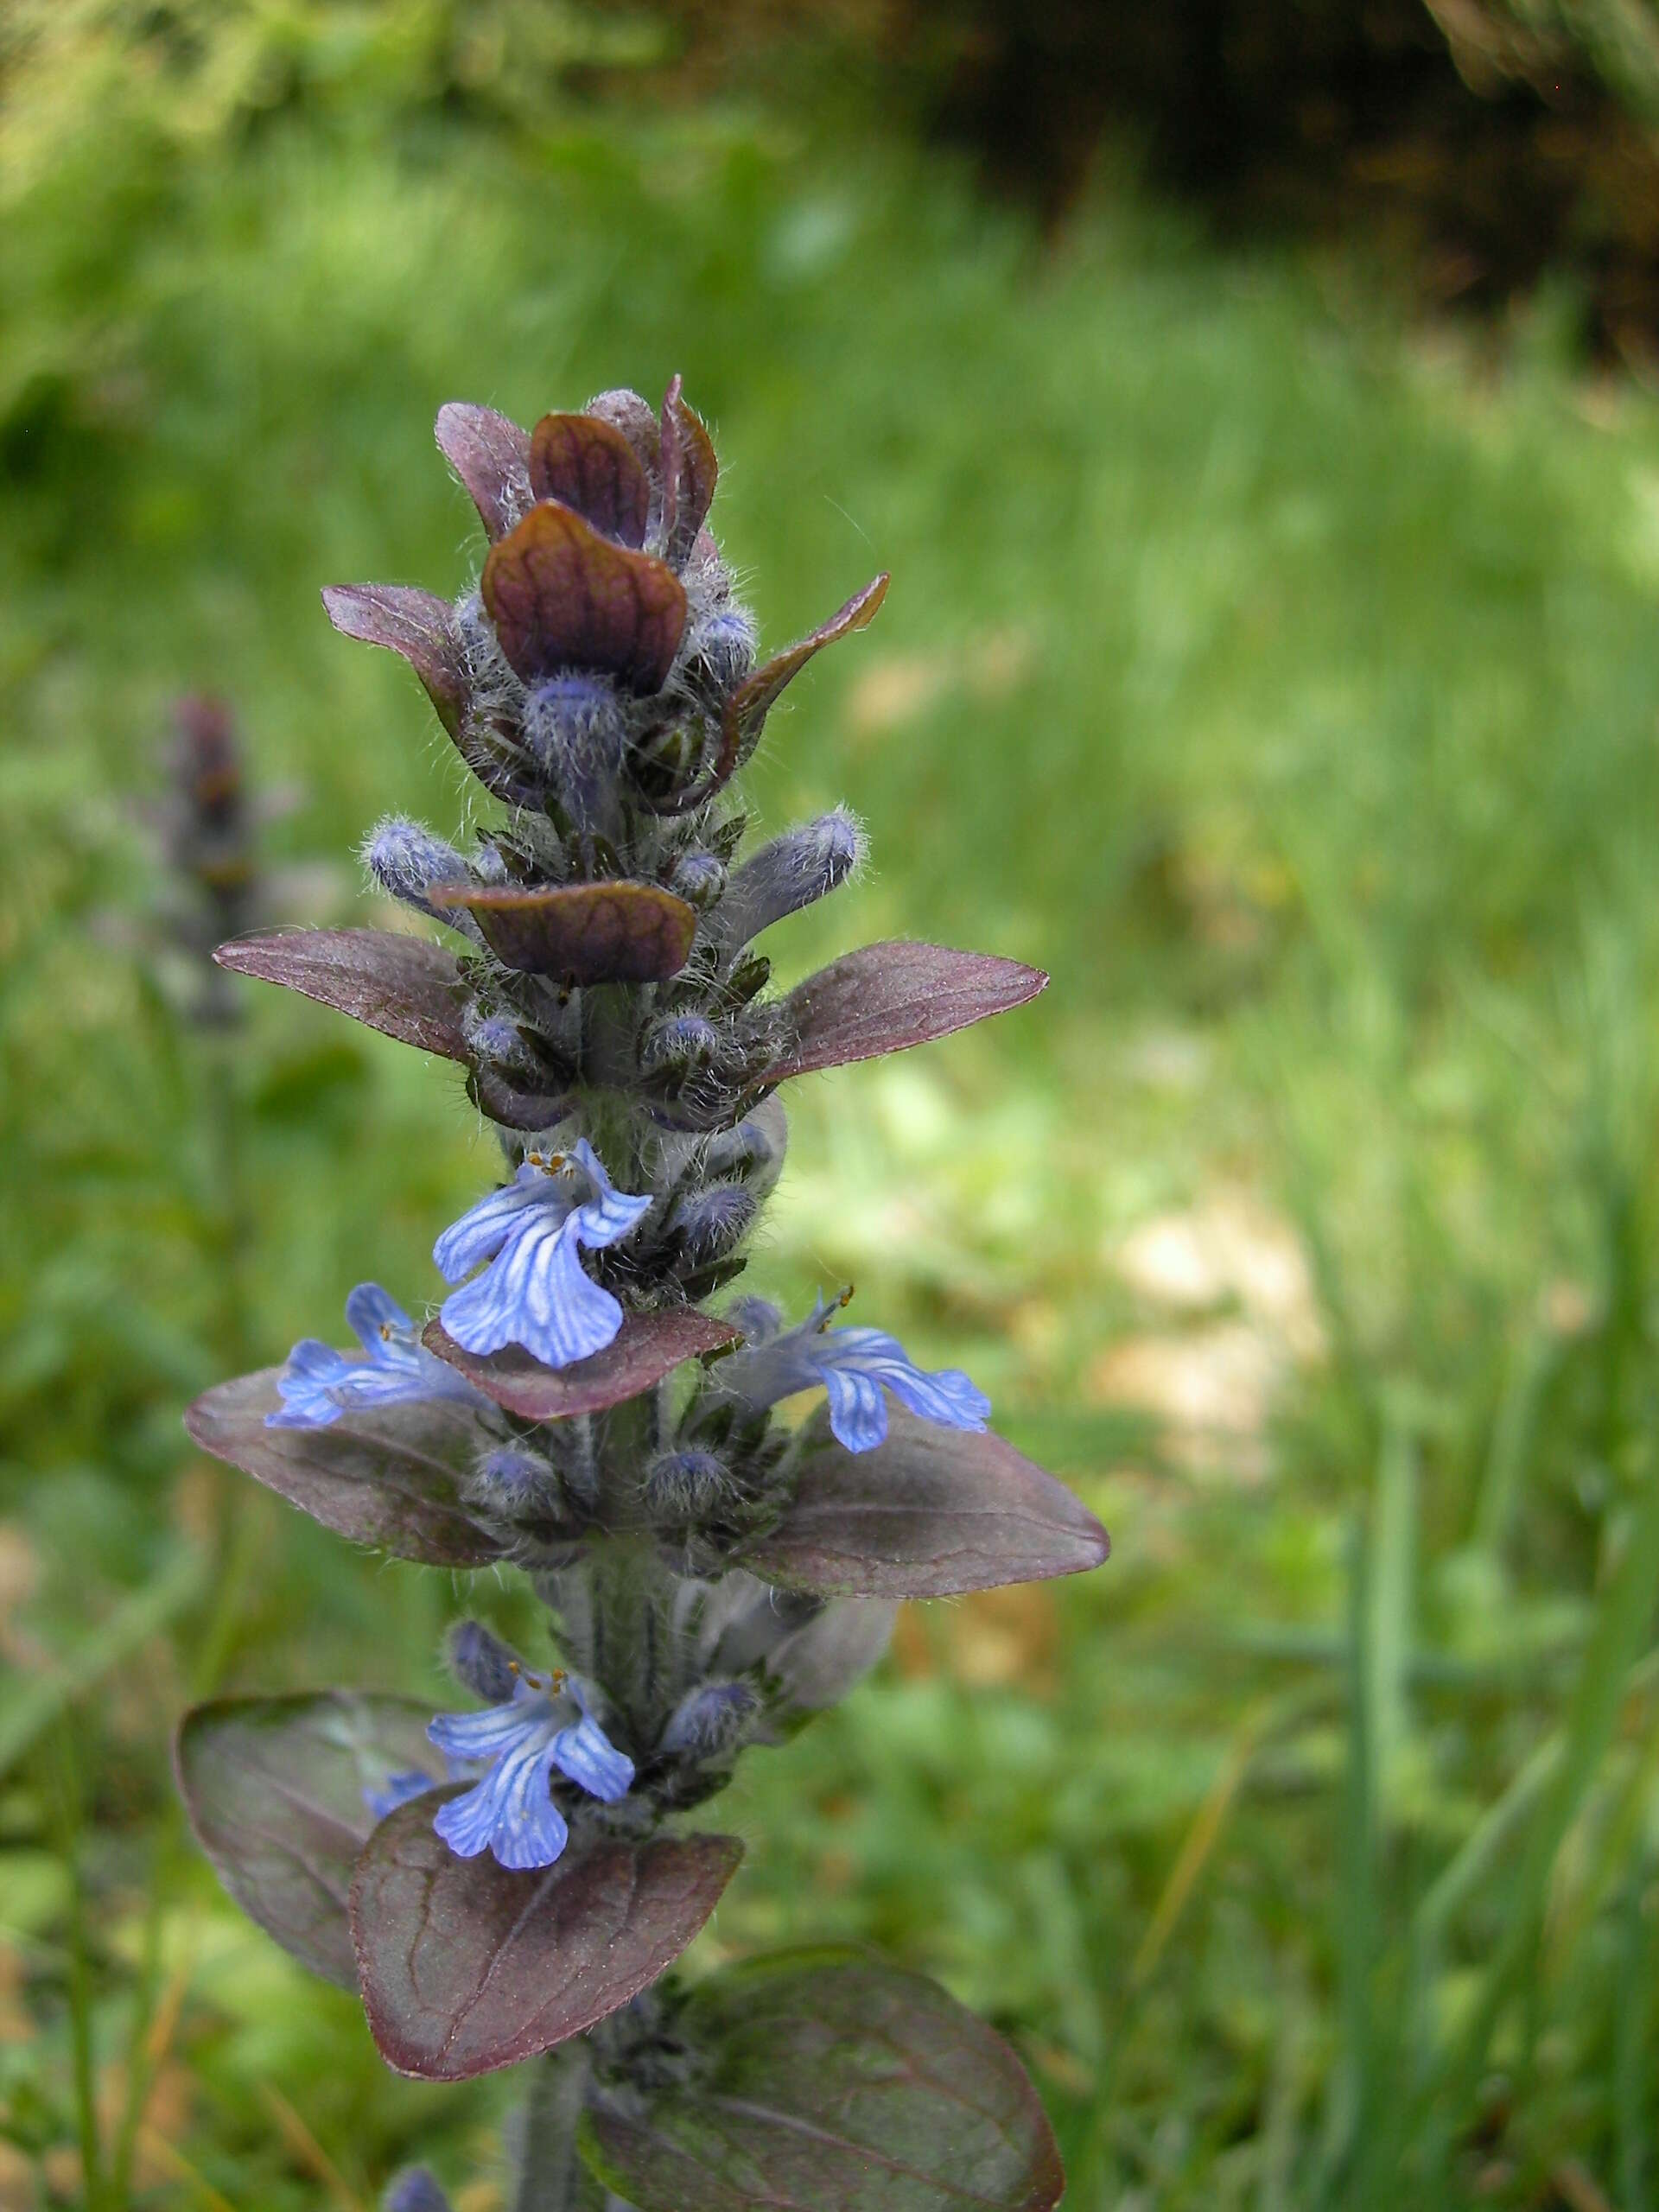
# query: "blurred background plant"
[1271,654]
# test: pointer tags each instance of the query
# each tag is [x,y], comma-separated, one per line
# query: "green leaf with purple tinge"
[405,987]
[613,931]
[645,1348]
[884,998]
[931,1513]
[417,625]
[826,2083]
[275,1789]
[466,1966]
[389,1476]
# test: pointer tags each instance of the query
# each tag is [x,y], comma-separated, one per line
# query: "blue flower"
[399,1789]
[545,1724]
[319,1383]
[855,1366]
[534,1293]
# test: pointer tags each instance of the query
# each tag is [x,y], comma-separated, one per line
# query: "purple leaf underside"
[417,625]
[646,1348]
[405,987]
[691,472]
[583,933]
[491,455]
[884,998]
[832,2084]
[275,1790]
[590,465]
[746,710]
[466,1966]
[390,1476]
[931,1513]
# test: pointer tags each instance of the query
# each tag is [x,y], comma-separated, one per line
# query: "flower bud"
[415,2191]
[514,1482]
[482,1662]
[678,1042]
[686,1487]
[709,1722]
[753,1151]
[723,651]
[699,878]
[407,860]
[575,730]
[790,872]
[710,1222]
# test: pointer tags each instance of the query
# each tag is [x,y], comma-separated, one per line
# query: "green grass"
[1285,680]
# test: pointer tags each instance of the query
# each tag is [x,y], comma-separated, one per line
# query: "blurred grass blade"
[1623,1622]
[26,1716]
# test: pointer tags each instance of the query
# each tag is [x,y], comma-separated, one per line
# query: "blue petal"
[497,1729]
[399,1789]
[858,1412]
[949,1397]
[535,1294]
[587,1756]
[482,1230]
[511,1811]
[610,1213]
[381,1325]
[314,1361]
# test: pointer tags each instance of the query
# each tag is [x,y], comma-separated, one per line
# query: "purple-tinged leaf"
[513,1108]
[749,705]
[647,1347]
[884,998]
[636,418]
[466,1966]
[931,1513]
[405,987]
[590,465]
[608,932]
[416,623]
[689,473]
[562,596]
[277,1790]
[389,1476]
[830,2083]
[491,455]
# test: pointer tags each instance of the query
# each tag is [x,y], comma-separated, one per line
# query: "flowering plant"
[511,1882]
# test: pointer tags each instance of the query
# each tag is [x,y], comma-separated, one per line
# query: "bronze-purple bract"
[884,998]
[491,455]
[275,1790]
[691,472]
[390,1476]
[466,1968]
[513,1108]
[824,2081]
[589,466]
[931,1513]
[416,623]
[405,987]
[561,596]
[608,932]
[647,1347]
